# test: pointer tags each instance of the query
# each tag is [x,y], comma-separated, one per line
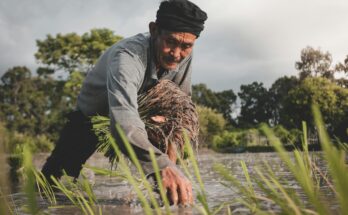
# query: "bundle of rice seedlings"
[167,112]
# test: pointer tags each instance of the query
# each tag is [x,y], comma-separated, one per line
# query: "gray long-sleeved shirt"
[111,88]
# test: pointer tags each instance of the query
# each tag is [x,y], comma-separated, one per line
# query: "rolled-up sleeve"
[124,75]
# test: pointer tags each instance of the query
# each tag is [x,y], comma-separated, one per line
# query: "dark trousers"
[77,142]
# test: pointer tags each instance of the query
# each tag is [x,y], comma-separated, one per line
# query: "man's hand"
[179,188]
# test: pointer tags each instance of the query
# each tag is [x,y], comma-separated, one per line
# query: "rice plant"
[79,193]
[285,200]
[5,206]
[29,187]
[166,111]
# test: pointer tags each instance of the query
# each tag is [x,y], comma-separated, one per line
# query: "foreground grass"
[305,172]
[255,193]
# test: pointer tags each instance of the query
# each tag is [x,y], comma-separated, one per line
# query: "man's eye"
[171,42]
[186,46]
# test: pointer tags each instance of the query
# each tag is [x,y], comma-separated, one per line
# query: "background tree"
[255,105]
[71,52]
[227,99]
[331,98]
[35,105]
[315,63]
[202,95]
[222,101]
[72,88]
[23,103]
[74,54]
[343,67]
[279,104]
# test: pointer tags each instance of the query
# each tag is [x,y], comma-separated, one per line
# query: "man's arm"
[123,77]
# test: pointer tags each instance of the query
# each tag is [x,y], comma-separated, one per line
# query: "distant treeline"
[287,102]
[32,105]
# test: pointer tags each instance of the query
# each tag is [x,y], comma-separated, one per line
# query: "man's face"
[172,47]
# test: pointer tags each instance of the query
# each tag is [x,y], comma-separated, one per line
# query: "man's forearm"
[141,145]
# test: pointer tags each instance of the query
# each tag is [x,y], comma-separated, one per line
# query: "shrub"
[253,137]
[211,123]
[16,142]
[227,139]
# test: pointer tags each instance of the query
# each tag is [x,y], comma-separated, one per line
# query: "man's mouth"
[171,61]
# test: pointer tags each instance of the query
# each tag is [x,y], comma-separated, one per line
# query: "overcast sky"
[243,41]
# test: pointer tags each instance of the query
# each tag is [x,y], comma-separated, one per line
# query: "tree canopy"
[331,98]
[222,101]
[71,52]
[255,104]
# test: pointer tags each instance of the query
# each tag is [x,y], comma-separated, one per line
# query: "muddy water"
[115,196]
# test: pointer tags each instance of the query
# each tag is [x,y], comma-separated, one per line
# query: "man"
[126,69]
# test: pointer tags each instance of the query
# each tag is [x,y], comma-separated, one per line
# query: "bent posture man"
[126,69]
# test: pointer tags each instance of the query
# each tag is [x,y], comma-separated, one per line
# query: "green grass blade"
[336,160]
[29,188]
[247,177]
[302,176]
[5,207]
[105,172]
[44,187]
[202,194]
[159,181]
[127,172]
[137,164]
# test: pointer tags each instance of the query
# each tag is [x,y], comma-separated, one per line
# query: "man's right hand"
[178,187]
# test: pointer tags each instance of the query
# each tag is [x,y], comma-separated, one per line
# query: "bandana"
[181,16]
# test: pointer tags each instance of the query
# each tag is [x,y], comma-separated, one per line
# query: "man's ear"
[153,29]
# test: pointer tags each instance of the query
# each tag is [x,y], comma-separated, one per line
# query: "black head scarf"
[181,16]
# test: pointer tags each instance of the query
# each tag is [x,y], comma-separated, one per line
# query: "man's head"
[178,25]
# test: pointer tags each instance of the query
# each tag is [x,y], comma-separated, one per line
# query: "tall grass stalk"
[79,192]
[336,160]
[130,178]
[105,172]
[5,207]
[136,162]
[201,196]
[247,195]
[304,171]
[275,192]
[29,187]
[76,192]
[184,166]
[300,170]
[44,187]
[159,181]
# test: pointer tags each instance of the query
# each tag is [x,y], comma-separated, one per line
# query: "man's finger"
[190,194]
[173,195]
[183,195]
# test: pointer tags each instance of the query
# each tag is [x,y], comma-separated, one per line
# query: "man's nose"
[176,52]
